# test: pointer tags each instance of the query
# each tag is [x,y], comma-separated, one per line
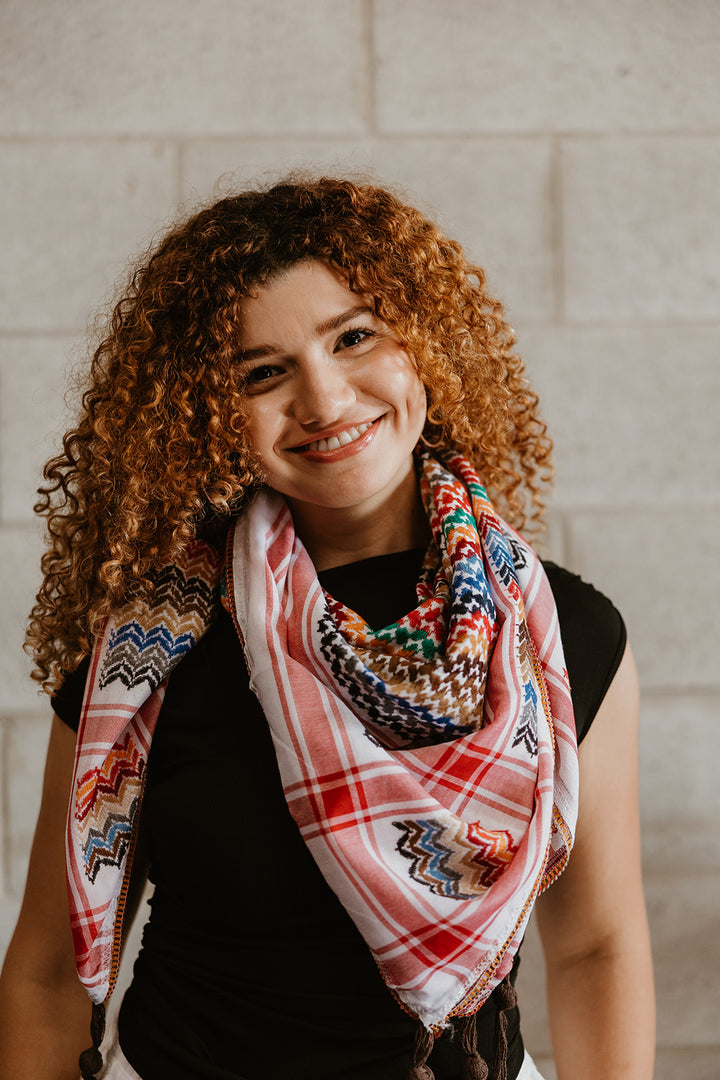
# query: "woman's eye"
[351,338]
[260,375]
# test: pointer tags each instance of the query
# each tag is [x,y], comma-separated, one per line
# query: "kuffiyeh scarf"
[431,765]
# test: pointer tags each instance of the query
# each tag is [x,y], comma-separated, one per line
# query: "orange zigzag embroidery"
[453,859]
[106,803]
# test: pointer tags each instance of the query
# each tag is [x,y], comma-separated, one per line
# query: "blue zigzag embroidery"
[134,655]
[527,731]
[107,846]
[479,856]
[420,843]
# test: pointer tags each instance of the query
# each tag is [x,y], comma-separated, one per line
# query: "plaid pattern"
[431,766]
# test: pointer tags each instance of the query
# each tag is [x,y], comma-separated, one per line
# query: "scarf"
[431,765]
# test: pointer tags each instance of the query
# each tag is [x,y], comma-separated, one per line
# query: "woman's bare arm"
[44,1010]
[592,920]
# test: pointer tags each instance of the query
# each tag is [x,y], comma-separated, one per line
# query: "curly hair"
[159,453]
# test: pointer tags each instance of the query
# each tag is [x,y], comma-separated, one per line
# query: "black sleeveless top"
[250,967]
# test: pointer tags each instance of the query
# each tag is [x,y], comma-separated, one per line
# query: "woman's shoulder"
[594,637]
[578,596]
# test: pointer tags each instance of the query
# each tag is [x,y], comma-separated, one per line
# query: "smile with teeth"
[341,439]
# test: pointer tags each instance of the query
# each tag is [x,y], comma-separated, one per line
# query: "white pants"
[117,1066]
[528,1069]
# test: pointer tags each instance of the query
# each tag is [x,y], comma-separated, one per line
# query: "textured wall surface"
[575,149]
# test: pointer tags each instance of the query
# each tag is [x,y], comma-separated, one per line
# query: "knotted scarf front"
[431,765]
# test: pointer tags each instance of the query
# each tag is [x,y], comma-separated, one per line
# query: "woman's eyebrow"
[333,323]
[256,354]
[339,320]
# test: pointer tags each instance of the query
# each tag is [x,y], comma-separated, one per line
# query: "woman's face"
[334,402]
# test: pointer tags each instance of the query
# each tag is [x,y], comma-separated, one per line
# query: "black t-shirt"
[250,967]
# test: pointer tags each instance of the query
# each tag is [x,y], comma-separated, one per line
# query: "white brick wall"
[575,149]
[477,67]
[183,69]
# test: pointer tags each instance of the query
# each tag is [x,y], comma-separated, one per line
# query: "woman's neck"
[337,536]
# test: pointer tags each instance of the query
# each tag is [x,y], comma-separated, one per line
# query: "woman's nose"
[322,395]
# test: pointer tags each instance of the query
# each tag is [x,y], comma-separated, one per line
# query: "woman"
[292,412]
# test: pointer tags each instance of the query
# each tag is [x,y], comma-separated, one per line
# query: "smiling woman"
[335,410]
[320,682]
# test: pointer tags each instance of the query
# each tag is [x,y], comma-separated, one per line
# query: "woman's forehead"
[309,293]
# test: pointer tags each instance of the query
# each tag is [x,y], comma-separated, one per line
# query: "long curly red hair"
[159,453]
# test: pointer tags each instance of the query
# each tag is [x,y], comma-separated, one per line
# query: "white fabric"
[528,1069]
[116,1066]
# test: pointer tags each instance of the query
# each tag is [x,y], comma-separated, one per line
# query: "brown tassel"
[474,1066]
[91,1061]
[506,999]
[424,1042]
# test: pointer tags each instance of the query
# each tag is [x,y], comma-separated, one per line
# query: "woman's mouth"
[343,438]
[343,443]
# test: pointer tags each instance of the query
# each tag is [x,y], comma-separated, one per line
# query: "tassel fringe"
[506,999]
[475,1066]
[91,1060]
[424,1042]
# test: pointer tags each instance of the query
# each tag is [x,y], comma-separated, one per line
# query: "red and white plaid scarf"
[431,766]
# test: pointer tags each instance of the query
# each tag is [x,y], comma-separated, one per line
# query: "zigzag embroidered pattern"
[391,692]
[107,800]
[527,726]
[149,644]
[134,656]
[454,860]
[419,680]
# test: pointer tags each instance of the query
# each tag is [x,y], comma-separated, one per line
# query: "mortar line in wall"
[684,1048]
[657,693]
[676,1054]
[635,508]
[1,394]
[370,67]
[175,137]
[657,874]
[535,133]
[557,228]
[24,332]
[696,692]
[567,540]
[632,322]
[24,715]
[52,138]
[15,525]
[4,812]
[178,149]
[709,323]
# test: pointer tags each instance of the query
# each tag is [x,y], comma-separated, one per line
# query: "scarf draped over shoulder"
[430,765]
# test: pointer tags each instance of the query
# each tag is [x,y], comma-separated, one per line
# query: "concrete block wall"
[575,149]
